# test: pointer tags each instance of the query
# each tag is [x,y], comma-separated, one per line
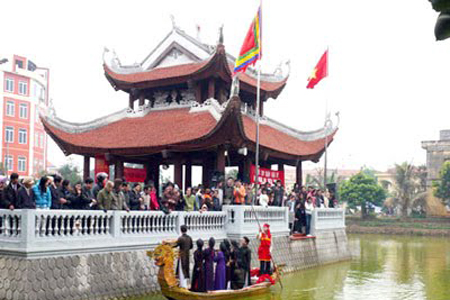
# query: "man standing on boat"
[264,254]
[246,255]
[185,243]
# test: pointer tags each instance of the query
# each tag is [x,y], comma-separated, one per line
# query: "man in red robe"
[264,250]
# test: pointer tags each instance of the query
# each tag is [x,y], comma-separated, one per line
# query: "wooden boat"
[164,258]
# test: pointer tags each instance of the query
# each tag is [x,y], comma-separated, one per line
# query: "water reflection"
[383,268]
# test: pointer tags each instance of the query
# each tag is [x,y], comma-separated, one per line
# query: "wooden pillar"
[188,175]
[178,173]
[280,167]
[152,169]
[156,176]
[207,172]
[220,160]
[141,99]
[299,173]
[86,167]
[131,101]
[198,92]
[118,169]
[211,88]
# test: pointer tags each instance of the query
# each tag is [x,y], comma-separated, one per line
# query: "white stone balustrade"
[244,220]
[10,224]
[327,219]
[55,232]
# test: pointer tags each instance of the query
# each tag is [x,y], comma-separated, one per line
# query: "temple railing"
[243,220]
[327,219]
[53,232]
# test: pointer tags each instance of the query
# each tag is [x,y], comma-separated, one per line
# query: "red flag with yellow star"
[319,72]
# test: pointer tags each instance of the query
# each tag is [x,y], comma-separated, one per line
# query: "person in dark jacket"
[78,199]
[88,193]
[67,193]
[25,197]
[278,194]
[101,181]
[246,255]
[11,192]
[3,204]
[58,199]
[135,197]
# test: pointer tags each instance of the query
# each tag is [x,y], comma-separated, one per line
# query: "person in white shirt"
[291,206]
[309,207]
[264,199]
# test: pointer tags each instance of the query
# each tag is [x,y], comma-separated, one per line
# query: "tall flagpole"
[257,108]
[326,126]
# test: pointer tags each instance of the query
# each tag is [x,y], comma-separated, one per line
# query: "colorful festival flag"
[251,48]
[319,72]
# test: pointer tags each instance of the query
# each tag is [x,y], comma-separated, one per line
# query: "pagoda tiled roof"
[278,140]
[184,128]
[156,129]
[157,73]
[203,61]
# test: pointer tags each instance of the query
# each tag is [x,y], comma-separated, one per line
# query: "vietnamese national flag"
[319,72]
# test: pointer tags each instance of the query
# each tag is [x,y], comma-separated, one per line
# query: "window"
[23,86]
[42,94]
[23,110]
[22,136]
[10,108]
[10,85]
[9,162]
[9,134]
[19,63]
[42,140]
[21,164]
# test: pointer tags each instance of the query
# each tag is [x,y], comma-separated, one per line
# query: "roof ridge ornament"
[174,25]
[235,86]
[220,41]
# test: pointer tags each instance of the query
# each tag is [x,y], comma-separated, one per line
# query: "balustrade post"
[180,221]
[115,223]
[28,226]
[313,222]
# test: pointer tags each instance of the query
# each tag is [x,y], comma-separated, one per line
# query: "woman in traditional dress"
[228,262]
[220,279]
[209,254]
[198,274]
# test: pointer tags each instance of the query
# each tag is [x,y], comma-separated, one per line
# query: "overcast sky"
[388,76]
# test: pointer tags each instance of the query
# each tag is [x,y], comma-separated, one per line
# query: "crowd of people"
[232,261]
[55,192]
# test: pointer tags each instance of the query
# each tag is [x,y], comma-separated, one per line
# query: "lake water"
[383,268]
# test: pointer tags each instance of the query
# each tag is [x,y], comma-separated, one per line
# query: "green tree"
[409,188]
[442,187]
[362,190]
[406,186]
[71,172]
[317,179]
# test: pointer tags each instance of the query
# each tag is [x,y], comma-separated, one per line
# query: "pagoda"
[185,110]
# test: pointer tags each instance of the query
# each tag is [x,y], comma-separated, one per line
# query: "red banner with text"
[101,165]
[266,175]
[135,175]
